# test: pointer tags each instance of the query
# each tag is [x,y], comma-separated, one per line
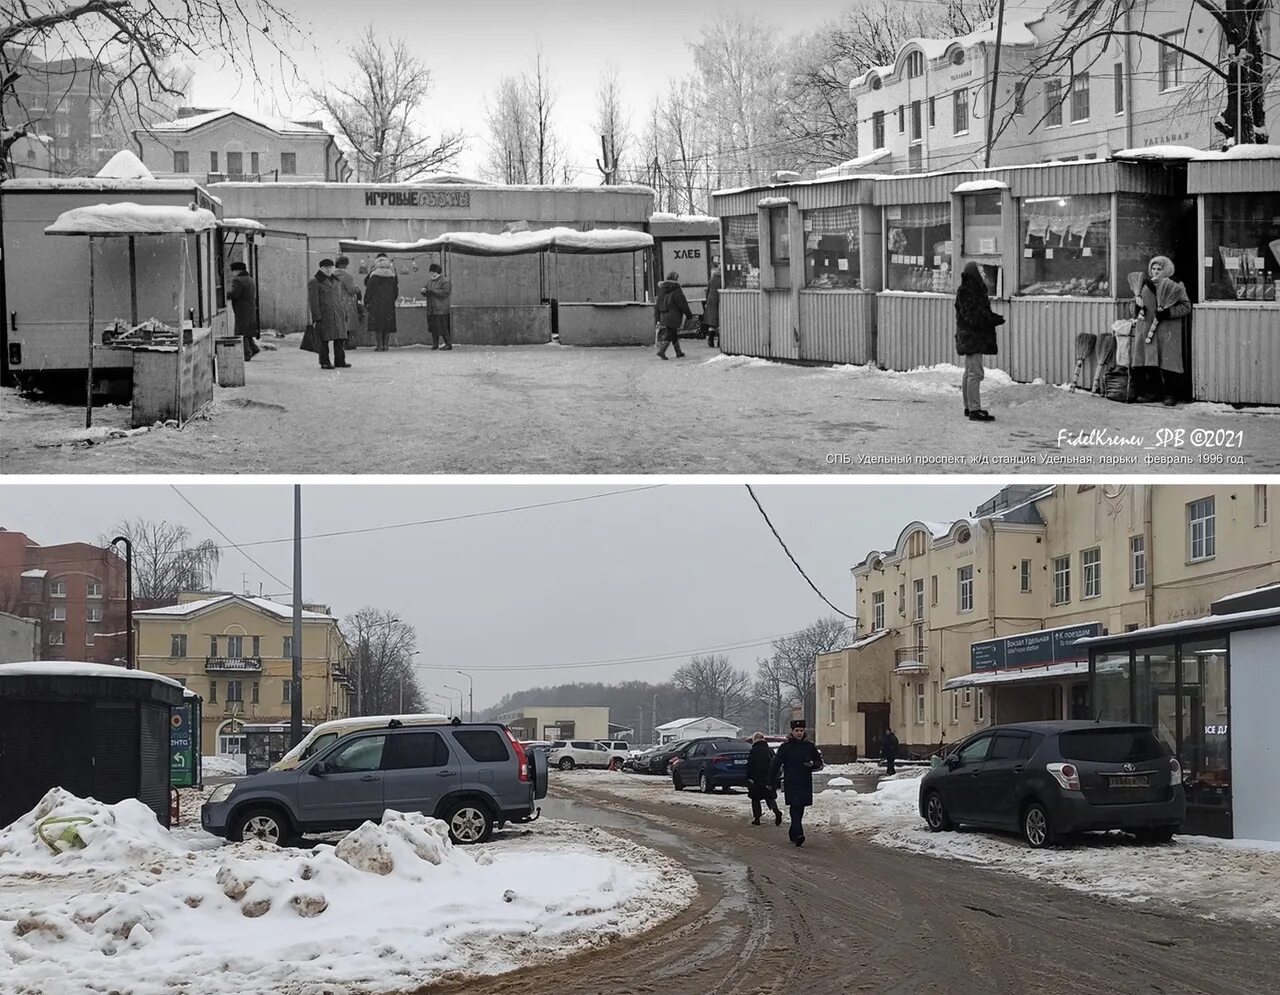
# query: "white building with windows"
[929,109]
[695,728]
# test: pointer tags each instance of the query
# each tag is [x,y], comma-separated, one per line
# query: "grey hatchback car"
[473,776]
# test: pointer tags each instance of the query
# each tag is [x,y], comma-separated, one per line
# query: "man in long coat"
[324,300]
[350,298]
[244,305]
[759,784]
[381,288]
[795,762]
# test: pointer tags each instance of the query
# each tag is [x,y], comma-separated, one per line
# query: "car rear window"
[484,746]
[1110,745]
[735,746]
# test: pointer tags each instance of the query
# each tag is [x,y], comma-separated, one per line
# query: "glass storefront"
[1243,235]
[831,249]
[918,239]
[1066,246]
[981,236]
[1147,227]
[1204,754]
[1111,687]
[741,253]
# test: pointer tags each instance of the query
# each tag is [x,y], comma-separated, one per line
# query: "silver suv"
[473,776]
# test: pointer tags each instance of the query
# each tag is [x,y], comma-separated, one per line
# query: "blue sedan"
[711,764]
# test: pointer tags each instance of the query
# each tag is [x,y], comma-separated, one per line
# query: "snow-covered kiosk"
[44,291]
[801,268]
[688,244]
[1236,319]
[93,729]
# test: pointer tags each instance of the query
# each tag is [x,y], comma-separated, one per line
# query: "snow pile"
[126,218]
[124,165]
[1249,151]
[391,908]
[223,765]
[1160,152]
[978,186]
[840,782]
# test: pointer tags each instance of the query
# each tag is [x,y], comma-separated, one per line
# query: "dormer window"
[876,81]
[957,57]
[915,64]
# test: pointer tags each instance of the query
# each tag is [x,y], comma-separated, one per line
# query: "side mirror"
[320,769]
[953,761]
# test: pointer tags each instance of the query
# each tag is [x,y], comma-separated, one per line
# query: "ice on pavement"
[392,907]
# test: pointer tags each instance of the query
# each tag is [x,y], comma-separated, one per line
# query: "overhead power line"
[793,560]
[234,544]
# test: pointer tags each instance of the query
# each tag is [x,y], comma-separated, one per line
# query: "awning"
[1055,671]
[242,224]
[467,243]
[127,218]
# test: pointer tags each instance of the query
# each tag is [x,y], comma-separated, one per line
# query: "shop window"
[1146,227]
[919,244]
[742,253]
[965,578]
[831,249]
[1137,561]
[289,163]
[1091,573]
[1061,580]
[1024,577]
[980,235]
[960,111]
[182,162]
[1203,751]
[1201,525]
[877,611]
[178,646]
[1066,246]
[1053,103]
[1171,61]
[877,130]
[1110,697]
[780,244]
[1244,245]
[1117,80]
[1080,98]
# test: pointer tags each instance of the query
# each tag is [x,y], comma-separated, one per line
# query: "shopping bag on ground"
[1123,330]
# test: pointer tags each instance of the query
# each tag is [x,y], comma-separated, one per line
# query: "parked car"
[326,733]
[1049,779]
[711,764]
[637,761]
[619,750]
[473,776]
[571,753]
[661,757]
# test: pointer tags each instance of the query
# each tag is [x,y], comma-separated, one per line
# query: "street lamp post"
[471,696]
[450,687]
[128,598]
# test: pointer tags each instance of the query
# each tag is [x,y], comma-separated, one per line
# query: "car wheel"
[1156,834]
[935,814]
[469,822]
[705,785]
[265,824]
[1036,829]
[675,782]
[566,764]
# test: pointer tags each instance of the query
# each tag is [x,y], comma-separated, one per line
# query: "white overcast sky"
[668,570]
[470,46]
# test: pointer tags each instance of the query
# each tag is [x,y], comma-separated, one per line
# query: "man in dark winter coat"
[670,309]
[324,301]
[711,309]
[759,783]
[244,305]
[975,336]
[889,750]
[795,762]
[439,316]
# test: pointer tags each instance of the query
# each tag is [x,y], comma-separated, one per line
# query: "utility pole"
[995,79]
[128,599]
[295,704]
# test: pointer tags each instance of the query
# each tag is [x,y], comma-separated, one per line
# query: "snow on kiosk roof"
[126,218]
[565,240]
[66,668]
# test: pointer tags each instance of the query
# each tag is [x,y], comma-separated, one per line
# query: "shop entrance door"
[875,724]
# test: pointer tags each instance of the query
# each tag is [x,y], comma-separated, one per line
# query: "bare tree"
[376,110]
[613,124]
[685,141]
[167,560]
[541,97]
[132,46]
[794,659]
[713,686]
[523,146]
[382,651]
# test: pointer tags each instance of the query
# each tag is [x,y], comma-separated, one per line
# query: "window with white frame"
[1053,103]
[920,703]
[1080,97]
[1061,580]
[980,703]
[1091,573]
[877,611]
[58,589]
[1137,561]
[918,592]
[1259,505]
[1201,539]
[1024,577]
[955,707]
[235,647]
[58,613]
[831,704]
[965,577]
[178,645]
[1171,61]
[93,615]
[57,638]
[960,112]
[93,589]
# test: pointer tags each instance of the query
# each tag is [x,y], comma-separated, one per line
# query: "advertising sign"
[1032,649]
[182,758]
[690,257]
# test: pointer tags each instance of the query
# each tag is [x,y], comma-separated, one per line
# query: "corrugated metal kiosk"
[95,730]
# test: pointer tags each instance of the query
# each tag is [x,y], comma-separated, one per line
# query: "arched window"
[230,737]
[915,64]
[957,57]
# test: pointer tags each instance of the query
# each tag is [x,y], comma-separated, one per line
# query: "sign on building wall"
[182,755]
[1032,649]
[690,258]
[417,198]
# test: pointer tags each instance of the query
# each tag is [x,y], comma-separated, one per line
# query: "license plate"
[740,763]
[1131,781]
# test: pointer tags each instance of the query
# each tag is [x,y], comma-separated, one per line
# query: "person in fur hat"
[1160,305]
[381,288]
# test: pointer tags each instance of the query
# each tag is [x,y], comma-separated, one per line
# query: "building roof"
[265,605]
[1261,618]
[278,125]
[1049,672]
[67,668]
[126,218]
[681,723]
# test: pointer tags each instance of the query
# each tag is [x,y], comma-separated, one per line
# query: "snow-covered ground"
[554,409]
[223,765]
[142,911]
[1213,878]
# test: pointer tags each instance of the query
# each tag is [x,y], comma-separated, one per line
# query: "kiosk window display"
[1243,233]
[1145,227]
[1066,246]
[831,239]
[742,252]
[918,242]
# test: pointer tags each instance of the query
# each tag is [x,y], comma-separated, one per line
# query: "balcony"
[233,664]
[910,660]
[237,177]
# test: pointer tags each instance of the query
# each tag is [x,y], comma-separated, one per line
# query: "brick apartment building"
[76,591]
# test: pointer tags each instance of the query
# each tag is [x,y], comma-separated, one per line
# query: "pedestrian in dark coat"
[350,298]
[711,309]
[975,336]
[794,763]
[670,309]
[759,783]
[439,311]
[889,750]
[381,289]
[1160,307]
[324,300]
[244,305]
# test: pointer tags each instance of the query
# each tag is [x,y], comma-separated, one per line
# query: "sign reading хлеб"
[1031,649]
